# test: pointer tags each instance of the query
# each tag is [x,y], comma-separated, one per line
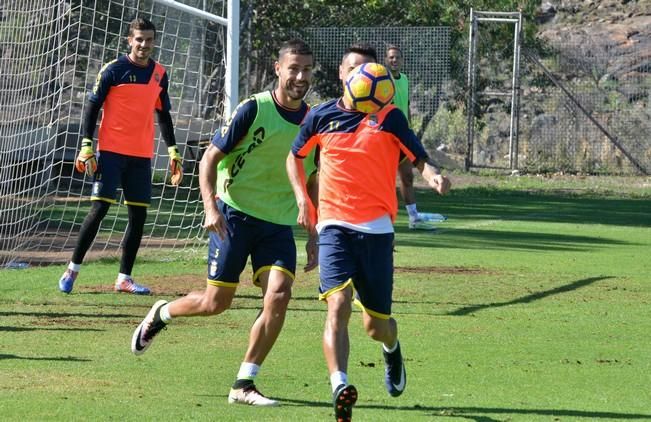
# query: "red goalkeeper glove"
[176,165]
[86,162]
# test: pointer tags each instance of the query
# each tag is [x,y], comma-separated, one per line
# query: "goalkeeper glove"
[86,162]
[176,165]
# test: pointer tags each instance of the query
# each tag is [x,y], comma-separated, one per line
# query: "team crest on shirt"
[157,77]
[372,120]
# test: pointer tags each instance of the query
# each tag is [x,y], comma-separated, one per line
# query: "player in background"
[130,89]
[252,217]
[394,61]
[357,204]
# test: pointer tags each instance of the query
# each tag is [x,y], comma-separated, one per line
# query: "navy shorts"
[133,174]
[364,260]
[270,245]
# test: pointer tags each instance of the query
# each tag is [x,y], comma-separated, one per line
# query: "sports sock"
[248,371]
[390,349]
[242,384]
[74,267]
[337,378]
[412,210]
[165,313]
[122,276]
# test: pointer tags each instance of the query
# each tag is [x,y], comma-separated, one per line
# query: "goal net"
[50,54]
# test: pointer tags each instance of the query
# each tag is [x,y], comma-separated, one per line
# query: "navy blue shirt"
[123,71]
[331,116]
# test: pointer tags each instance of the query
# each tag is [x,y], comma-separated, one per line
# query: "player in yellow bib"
[252,217]
[394,61]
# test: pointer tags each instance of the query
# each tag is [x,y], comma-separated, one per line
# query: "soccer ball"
[369,87]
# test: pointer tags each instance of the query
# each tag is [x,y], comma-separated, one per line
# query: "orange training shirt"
[129,94]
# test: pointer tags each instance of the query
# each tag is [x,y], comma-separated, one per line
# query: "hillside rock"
[614,34]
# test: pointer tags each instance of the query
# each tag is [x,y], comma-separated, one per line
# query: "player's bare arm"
[306,211]
[311,246]
[213,220]
[433,176]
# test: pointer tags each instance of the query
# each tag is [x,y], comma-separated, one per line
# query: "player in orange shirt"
[130,89]
[358,161]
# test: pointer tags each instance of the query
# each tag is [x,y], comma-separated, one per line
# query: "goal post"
[503,88]
[231,23]
[50,54]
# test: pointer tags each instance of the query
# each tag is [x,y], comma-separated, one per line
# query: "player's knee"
[407,177]
[339,310]
[98,210]
[377,329]
[137,216]
[279,298]
[214,306]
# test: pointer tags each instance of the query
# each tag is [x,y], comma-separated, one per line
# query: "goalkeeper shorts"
[133,174]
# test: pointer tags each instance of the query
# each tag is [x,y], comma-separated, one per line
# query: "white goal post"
[232,45]
[50,54]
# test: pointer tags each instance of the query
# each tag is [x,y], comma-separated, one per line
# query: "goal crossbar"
[231,90]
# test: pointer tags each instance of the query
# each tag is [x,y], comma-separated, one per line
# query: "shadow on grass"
[472,412]
[18,329]
[58,359]
[64,314]
[468,238]
[548,206]
[529,298]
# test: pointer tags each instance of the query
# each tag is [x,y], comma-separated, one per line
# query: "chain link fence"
[583,108]
[600,126]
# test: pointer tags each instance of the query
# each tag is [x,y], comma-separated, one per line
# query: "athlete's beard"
[144,54]
[295,92]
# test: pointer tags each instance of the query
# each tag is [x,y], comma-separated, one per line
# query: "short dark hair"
[393,47]
[141,24]
[363,48]
[295,46]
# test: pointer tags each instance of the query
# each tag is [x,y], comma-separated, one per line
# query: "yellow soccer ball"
[369,87]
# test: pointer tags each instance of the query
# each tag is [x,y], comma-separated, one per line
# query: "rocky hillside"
[617,29]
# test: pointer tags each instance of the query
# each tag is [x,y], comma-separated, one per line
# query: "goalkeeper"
[129,89]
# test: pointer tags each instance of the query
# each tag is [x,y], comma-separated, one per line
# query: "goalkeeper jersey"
[129,94]
[252,176]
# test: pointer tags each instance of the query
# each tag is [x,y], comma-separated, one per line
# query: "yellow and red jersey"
[359,156]
[129,94]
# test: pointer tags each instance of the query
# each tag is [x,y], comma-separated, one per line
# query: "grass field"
[531,303]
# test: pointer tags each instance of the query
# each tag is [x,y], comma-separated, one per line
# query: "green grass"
[531,303]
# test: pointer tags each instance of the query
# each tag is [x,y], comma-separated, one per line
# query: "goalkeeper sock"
[337,378]
[165,313]
[74,267]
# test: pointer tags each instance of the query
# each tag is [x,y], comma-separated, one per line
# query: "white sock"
[390,349]
[165,313]
[74,267]
[248,371]
[411,210]
[337,378]
[122,276]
